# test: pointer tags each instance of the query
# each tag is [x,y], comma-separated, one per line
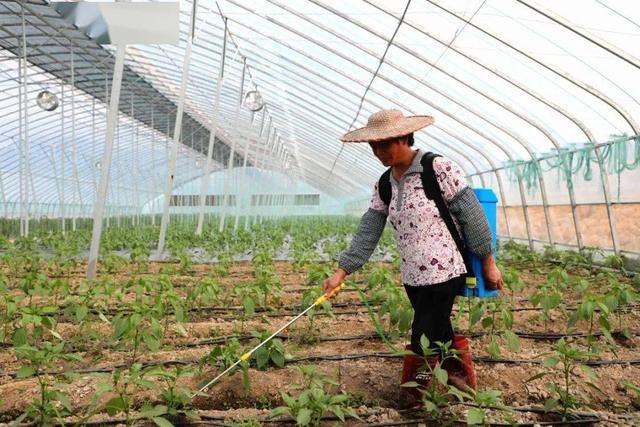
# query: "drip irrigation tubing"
[523,266]
[219,420]
[375,336]
[323,357]
[268,312]
[543,336]
[418,421]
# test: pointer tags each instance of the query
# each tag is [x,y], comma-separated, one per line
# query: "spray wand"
[246,356]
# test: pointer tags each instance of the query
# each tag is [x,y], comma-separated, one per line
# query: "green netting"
[614,157]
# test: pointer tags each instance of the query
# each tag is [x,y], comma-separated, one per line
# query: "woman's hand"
[334,281]
[491,273]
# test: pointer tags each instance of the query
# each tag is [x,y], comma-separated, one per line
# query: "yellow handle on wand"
[331,294]
[245,357]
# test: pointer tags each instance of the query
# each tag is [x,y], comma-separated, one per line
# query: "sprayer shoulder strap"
[431,190]
[384,183]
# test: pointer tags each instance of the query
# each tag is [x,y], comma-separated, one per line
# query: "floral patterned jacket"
[428,252]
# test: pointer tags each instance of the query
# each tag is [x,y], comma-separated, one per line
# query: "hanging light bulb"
[253,101]
[98,165]
[46,100]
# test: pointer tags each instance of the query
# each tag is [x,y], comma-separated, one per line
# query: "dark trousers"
[432,306]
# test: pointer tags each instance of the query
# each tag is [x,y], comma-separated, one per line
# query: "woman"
[432,267]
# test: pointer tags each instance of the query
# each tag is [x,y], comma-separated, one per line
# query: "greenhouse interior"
[320,213]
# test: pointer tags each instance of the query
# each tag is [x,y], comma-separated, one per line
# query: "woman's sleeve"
[366,238]
[464,206]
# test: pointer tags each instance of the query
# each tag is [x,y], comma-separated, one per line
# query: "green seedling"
[51,403]
[317,274]
[272,353]
[619,295]
[225,356]
[567,357]
[314,401]
[137,327]
[176,399]
[513,282]
[311,333]
[500,324]
[395,307]
[549,298]
[592,305]
[485,400]
[379,277]
[126,384]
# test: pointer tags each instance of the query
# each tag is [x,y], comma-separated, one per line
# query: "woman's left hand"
[492,274]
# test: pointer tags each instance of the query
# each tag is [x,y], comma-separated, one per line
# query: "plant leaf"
[162,422]
[475,416]
[115,406]
[550,362]
[535,377]
[441,375]
[304,417]
[513,343]
[25,372]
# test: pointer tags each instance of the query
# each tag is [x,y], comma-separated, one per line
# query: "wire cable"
[373,77]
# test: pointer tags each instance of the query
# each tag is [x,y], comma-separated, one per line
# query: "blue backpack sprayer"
[475,285]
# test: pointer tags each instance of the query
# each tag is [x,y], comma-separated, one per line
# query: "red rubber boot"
[411,371]
[461,343]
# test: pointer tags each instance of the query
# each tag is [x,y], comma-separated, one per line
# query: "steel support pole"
[25,133]
[21,148]
[153,162]
[254,202]
[55,171]
[74,160]
[63,207]
[3,196]
[607,199]
[262,198]
[118,197]
[545,205]
[240,188]
[574,212]
[176,137]
[250,207]
[236,117]
[105,165]
[204,184]
[93,145]
[134,169]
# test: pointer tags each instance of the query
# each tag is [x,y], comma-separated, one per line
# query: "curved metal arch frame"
[548,103]
[305,121]
[315,60]
[307,70]
[555,143]
[47,20]
[509,132]
[482,134]
[564,75]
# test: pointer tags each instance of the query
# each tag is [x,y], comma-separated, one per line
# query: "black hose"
[327,357]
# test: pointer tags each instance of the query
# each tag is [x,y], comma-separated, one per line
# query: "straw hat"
[387,124]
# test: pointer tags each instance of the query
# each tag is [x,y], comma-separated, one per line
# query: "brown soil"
[372,381]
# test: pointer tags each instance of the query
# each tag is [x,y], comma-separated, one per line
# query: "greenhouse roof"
[505,81]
